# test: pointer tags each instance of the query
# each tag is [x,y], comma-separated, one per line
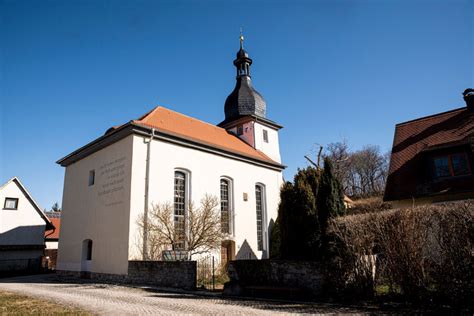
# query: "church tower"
[245,111]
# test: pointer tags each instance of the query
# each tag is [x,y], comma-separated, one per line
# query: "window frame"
[450,165]
[176,217]
[230,203]
[265,136]
[9,208]
[262,237]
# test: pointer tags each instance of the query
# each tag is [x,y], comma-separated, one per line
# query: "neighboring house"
[165,156]
[51,240]
[432,158]
[22,228]
[348,203]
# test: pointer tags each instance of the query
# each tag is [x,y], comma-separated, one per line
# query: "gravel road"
[106,299]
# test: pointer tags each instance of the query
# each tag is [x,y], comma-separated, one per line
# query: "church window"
[226,205]
[91,177]
[240,130]
[265,136]
[260,205]
[179,209]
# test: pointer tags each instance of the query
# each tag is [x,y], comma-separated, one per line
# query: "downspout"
[147,184]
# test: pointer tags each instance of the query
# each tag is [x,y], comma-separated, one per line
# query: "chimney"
[468,95]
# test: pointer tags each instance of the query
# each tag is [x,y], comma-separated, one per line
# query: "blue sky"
[328,70]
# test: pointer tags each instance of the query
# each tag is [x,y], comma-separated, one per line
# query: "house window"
[226,206]
[451,165]
[260,204]
[91,177]
[240,130]
[265,136]
[10,204]
[179,209]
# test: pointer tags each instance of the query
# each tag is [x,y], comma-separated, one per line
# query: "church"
[168,157]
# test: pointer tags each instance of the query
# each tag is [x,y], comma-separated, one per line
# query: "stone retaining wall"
[172,274]
[175,274]
[303,275]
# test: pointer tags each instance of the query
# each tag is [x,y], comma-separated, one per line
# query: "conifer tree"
[305,208]
[275,240]
[299,226]
[330,200]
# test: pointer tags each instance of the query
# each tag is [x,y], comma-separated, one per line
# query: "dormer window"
[451,165]
[265,136]
[240,130]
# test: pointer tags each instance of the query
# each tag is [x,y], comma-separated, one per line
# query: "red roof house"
[432,157]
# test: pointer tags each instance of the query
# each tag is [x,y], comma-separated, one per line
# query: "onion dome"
[244,100]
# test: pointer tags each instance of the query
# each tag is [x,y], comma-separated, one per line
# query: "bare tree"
[339,155]
[200,232]
[362,173]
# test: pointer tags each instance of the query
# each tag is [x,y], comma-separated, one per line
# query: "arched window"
[226,206]
[260,208]
[180,200]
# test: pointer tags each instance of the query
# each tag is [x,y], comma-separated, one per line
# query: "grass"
[15,304]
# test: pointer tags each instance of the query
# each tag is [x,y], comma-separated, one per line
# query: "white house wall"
[23,226]
[206,171]
[99,212]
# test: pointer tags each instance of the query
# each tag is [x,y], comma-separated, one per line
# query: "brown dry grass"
[15,304]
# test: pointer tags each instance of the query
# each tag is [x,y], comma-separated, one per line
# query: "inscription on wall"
[112,180]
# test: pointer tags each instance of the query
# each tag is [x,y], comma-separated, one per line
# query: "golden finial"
[241,39]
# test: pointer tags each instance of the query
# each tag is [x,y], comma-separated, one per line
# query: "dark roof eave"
[394,197]
[98,142]
[235,121]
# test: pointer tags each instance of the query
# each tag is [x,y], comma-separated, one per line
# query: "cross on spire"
[241,39]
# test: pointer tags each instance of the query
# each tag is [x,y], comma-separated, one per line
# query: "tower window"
[265,136]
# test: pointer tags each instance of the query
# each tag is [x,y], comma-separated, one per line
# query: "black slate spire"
[244,100]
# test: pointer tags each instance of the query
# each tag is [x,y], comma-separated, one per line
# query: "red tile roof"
[56,221]
[414,137]
[177,124]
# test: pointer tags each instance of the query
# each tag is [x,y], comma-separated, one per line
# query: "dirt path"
[120,300]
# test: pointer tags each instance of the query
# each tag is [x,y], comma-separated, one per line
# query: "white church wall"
[99,212]
[206,171]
